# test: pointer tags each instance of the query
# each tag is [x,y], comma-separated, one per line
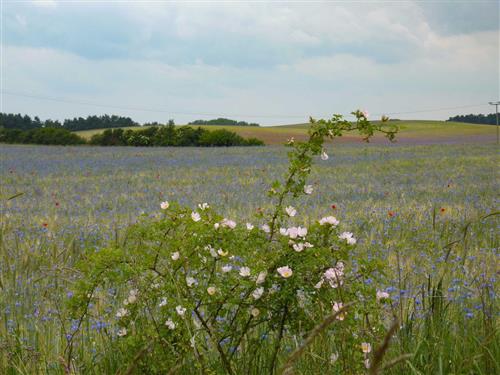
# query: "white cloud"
[45,3]
[466,55]
[245,58]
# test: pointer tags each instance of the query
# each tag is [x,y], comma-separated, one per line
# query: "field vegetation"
[411,132]
[170,135]
[153,136]
[415,251]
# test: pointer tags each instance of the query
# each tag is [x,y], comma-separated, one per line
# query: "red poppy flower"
[45,225]
[334,207]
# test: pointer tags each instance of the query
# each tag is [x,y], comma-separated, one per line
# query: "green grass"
[411,132]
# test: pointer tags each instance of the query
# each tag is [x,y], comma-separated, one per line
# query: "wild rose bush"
[191,288]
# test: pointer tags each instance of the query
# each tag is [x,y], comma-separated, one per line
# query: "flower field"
[425,214]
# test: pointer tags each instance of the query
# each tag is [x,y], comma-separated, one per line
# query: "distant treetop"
[18,121]
[222,121]
[475,119]
[99,122]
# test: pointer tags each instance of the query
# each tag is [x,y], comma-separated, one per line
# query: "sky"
[265,62]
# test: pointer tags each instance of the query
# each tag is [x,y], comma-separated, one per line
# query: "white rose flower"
[366,347]
[228,223]
[285,271]
[122,332]
[261,278]
[190,281]
[170,324]
[337,306]
[203,206]
[382,295]
[244,271]
[257,293]
[298,247]
[180,310]
[331,220]
[222,253]
[348,237]
[301,232]
[291,211]
[319,284]
[226,268]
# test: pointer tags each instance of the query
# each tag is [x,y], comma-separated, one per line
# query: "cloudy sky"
[266,62]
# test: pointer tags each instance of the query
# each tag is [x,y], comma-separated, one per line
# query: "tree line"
[172,135]
[25,122]
[169,135]
[41,136]
[223,121]
[17,128]
[489,119]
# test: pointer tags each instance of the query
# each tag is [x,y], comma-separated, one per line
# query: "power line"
[141,109]
[432,110]
[157,110]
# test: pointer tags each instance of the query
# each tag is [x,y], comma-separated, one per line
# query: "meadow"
[411,132]
[421,210]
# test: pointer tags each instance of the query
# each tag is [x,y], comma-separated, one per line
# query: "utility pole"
[496,110]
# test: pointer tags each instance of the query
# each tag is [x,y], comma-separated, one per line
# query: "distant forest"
[476,119]
[222,121]
[25,122]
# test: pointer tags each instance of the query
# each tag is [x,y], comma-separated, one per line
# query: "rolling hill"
[411,132]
